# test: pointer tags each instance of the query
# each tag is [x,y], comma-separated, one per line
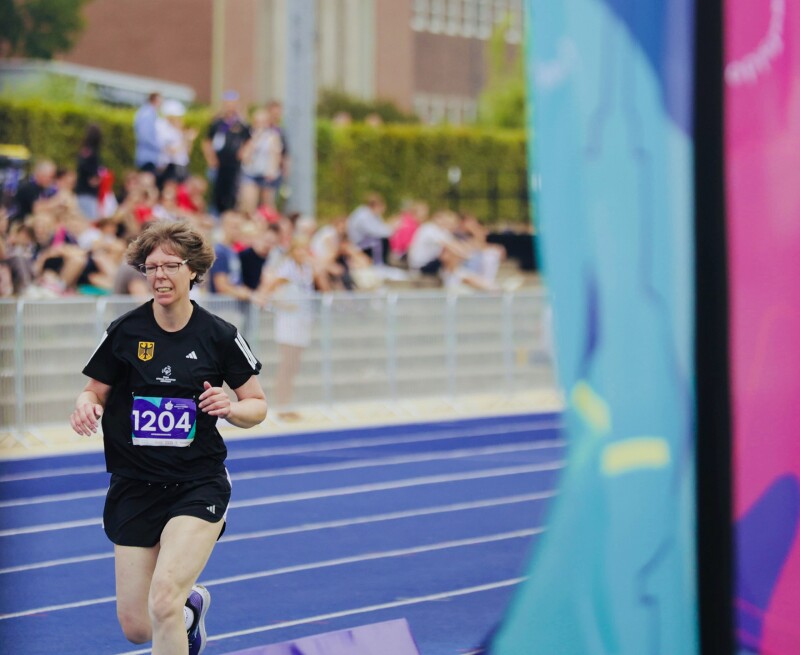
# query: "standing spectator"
[274,182]
[264,161]
[222,148]
[367,230]
[40,185]
[291,286]
[175,142]
[144,128]
[87,184]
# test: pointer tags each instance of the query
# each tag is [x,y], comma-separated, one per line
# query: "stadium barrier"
[363,347]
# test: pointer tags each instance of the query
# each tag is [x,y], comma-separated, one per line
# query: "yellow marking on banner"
[591,406]
[634,454]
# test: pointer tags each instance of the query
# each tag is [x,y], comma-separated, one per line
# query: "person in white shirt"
[367,230]
[175,143]
[435,250]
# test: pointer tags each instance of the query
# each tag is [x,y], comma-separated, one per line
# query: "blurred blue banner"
[610,119]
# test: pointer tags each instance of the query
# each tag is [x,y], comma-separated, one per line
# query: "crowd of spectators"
[66,230]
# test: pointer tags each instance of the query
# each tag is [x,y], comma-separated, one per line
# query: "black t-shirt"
[88,168]
[227,139]
[27,194]
[150,369]
[252,265]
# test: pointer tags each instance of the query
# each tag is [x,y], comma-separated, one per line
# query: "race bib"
[163,421]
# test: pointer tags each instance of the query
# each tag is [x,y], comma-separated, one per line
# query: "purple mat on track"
[386,638]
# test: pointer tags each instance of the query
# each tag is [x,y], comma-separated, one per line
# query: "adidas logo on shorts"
[212,509]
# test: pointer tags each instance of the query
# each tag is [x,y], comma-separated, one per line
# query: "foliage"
[400,161]
[502,102]
[333,102]
[55,88]
[39,29]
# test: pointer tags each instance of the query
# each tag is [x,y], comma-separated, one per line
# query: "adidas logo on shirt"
[191,355]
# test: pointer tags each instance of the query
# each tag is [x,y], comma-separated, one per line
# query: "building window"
[435,108]
[454,17]
[467,18]
[420,16]
[438,16]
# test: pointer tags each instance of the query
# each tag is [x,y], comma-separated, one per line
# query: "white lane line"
[311,527]
[430,456]
[444,595]
[316,447]
[327,493]
[419,437]
[400,484]
[298,568]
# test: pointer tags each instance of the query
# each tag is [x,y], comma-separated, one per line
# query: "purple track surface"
[431,522]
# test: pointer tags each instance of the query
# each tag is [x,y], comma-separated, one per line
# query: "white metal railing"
[364,347]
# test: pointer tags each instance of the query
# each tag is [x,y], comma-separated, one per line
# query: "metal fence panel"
[363,347]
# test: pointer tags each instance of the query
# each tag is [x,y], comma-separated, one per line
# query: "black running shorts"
[137,511]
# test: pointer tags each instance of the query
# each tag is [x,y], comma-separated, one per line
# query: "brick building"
[425,55]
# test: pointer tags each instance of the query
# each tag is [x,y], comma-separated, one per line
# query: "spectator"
[261,255]
[148,147]
[175,142]
[291,286]
[225,276]
[367,230]
[486,257]
[331,261]
[87,184]
[265,160]
[409,220]
[434,250]
[40,185]
[222,148]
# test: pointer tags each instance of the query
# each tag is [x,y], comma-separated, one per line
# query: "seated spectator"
[408,221]
[19,254]
[435,250]
[329,248]
[39,186]
[262,255]
[486,257]
[367,230]
[225,276]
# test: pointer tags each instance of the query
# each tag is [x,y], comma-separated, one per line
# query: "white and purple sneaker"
[199,601]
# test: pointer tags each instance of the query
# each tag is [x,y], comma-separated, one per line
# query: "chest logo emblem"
[146,349]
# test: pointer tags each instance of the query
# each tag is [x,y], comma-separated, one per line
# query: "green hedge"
[399,161]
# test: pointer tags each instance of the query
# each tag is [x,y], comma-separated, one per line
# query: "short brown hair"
[178,237]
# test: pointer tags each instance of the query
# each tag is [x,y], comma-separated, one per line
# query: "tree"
[39,29]
[502,102]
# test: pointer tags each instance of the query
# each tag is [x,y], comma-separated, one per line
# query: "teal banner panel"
[612,176]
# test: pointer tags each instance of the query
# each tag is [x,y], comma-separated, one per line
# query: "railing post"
[451,343]
[391,344]
[508,341]
[326,346]
[19,377]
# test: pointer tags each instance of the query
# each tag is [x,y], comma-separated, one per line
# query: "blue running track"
[432,522]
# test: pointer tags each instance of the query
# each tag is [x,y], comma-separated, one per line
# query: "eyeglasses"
[170,268]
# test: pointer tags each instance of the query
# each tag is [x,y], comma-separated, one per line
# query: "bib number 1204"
[163,421]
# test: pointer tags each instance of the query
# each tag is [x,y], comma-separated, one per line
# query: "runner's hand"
[214,401]
[84,419]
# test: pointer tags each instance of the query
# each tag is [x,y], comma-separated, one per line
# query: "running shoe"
[199,601]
